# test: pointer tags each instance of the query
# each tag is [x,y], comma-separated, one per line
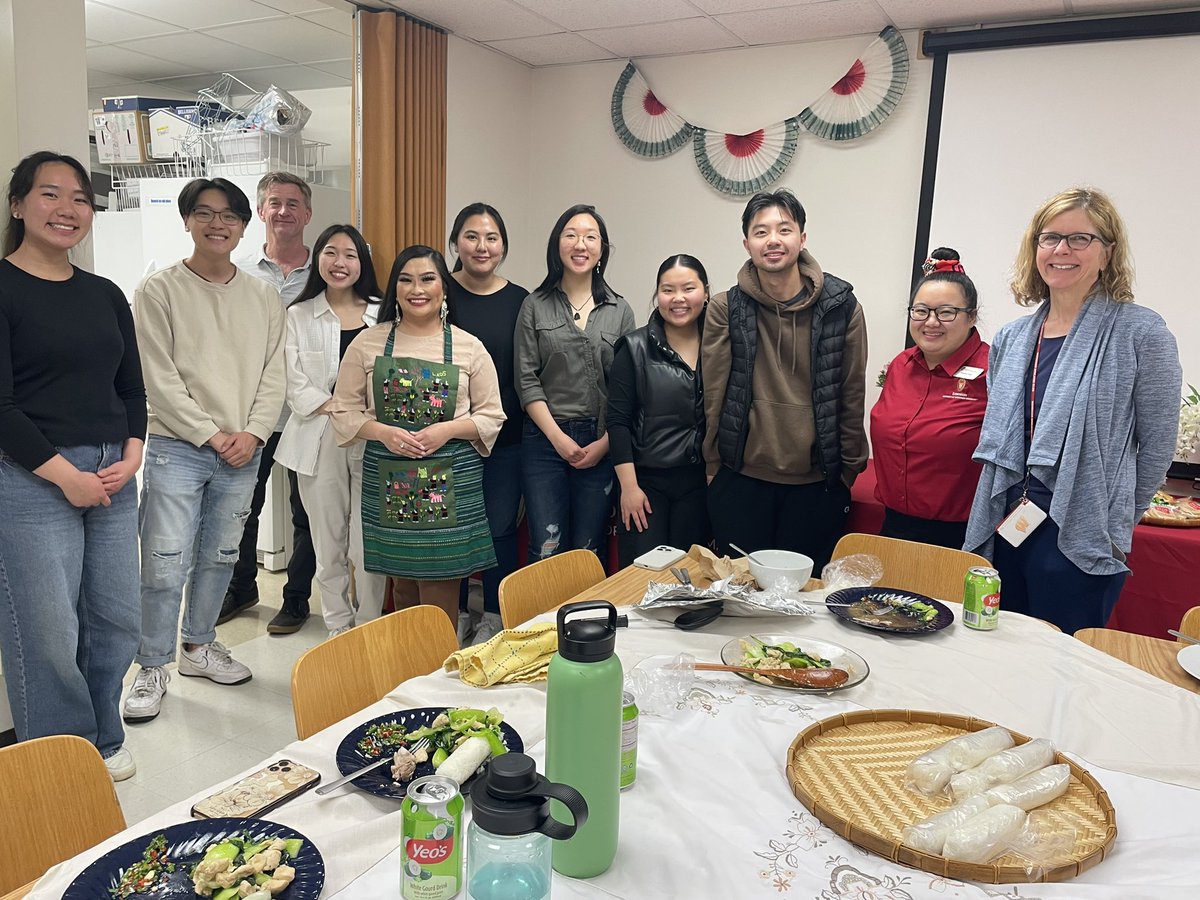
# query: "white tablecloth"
[712,814]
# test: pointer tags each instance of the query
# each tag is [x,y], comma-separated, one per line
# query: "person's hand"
[240,449]
[117,475]
[635,506]
[220,441]
[402,442]
[568,449]
[591,454]
[433,437]
[84,490]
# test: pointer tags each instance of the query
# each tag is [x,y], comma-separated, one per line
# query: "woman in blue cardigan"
[1081,420]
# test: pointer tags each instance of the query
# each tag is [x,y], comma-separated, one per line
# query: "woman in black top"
[72,426]
[486,304]
[656,417]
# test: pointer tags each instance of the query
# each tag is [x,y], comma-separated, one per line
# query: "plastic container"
[583,734]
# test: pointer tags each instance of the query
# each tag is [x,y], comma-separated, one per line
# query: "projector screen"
[1018,125]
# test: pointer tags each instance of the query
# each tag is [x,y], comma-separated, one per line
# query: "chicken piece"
[266,860]
[207,876]
[441,721]
[404,765]
[421,755]
[280,879]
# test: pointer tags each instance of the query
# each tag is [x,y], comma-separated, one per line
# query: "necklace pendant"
[576,317]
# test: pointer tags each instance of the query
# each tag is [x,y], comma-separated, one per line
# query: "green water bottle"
[583,734]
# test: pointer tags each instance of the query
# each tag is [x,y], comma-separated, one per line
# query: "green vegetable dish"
[760,655]
[235,868]
[454,726]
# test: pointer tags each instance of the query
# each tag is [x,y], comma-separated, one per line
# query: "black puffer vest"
[831,317]
[668,430]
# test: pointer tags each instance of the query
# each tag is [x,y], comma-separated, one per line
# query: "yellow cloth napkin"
[515,654]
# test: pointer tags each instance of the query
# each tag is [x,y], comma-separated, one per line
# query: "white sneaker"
[466,628]
[489,626]
[212,661]
[145,696]
[120,765]
[336,631]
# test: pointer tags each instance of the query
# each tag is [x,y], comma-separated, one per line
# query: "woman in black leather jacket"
[656,417]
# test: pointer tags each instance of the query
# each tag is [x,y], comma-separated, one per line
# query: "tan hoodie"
[781,445]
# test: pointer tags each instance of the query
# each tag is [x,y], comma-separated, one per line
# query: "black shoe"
[235,603]
[286,622]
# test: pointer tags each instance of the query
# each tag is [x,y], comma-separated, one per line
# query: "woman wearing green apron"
[424,396]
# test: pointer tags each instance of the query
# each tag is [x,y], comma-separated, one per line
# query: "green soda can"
[431,817]
[629,729]
[981,598]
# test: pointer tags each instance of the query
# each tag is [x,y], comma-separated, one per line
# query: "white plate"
[1189,658]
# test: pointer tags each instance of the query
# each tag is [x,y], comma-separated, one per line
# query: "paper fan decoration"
[866,95]
[641,121]
[745,163]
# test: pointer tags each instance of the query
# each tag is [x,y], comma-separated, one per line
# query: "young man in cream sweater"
[212,352]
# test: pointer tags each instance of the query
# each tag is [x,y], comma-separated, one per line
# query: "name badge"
[969,372]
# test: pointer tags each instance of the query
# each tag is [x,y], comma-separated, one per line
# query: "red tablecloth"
[1162,584]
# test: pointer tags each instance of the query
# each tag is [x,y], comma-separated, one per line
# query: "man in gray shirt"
[285,205]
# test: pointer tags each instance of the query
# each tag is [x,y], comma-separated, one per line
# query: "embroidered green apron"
[422,518]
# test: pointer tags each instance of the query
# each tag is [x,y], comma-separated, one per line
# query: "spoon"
[816,678]
[749,556]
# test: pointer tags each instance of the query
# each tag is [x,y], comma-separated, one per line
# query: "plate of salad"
[193,859]
[889,609]
[445,728]
[780,651]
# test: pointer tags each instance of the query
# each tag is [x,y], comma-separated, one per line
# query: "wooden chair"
[925,568]
[547,584]
[357,668]
[56,800]
[1190,624]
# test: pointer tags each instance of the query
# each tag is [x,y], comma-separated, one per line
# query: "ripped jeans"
[194,506]
[565,508]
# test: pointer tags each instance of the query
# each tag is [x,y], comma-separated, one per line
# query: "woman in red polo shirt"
[926,423]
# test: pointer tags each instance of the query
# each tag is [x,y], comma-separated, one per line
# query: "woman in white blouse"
[337,304]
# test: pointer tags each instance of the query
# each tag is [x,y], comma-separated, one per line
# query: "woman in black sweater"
[656,417]
[72,426]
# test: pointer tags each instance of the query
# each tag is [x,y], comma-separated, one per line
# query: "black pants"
[302,566]
[924,531]
[680,512]
[762,515]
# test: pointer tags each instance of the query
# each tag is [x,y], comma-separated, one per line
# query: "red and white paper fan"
[745,163]
[641,121]
[866,95]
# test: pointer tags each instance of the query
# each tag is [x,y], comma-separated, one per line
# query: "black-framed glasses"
[1078,240]
[205,215]
[941,313]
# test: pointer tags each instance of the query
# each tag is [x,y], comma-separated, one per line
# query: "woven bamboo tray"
[848,771]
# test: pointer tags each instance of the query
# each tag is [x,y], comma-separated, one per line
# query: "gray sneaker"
[212,661]
[145,696]
[466,628]
[489,626]
[120,765]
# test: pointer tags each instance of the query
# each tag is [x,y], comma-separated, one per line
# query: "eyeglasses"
[205,215]
[942,313]
[1079,240]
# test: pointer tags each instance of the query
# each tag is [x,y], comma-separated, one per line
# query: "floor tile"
[138,802]
[209,768]
[271,735]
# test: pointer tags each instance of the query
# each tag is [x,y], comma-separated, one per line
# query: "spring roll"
[984,837]
[465,760]
[929,835]
[931,771]
[1002,768]
[1034,790]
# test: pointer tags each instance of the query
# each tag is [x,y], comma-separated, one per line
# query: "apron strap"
[391,339]
[447,345]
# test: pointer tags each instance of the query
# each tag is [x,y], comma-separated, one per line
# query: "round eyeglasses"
[941,313]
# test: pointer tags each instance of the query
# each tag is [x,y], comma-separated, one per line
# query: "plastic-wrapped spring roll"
[929,835]
[1034,789]
[984,837]
[931,771]
[466,758]
[1003,768]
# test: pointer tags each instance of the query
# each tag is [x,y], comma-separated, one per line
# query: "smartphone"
[255,794]
[660,557]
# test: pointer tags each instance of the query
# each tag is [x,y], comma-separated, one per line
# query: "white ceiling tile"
[551,49]
[98,79]
[663,38]
[941,13]
[203,53]
[716,7]
[197,13]
[189,84]
[290,78]
[122,61]
[295,6]
[343,68]
[576,16]
[792,24]
[106,24]
[479,20]
[335,19]
[297,40]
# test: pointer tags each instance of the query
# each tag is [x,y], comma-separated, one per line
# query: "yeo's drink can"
[431,850]
[981,598]
[629,736]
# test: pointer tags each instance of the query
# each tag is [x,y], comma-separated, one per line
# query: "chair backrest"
[360,666]
[1190,624]
[56,800]
[934,571]
[546,584]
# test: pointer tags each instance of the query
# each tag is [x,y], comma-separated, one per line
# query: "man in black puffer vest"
[785,354]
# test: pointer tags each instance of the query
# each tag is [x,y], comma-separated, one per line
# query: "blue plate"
[379,782]
[186,843]
[843,604]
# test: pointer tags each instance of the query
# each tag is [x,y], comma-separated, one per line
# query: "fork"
[422,744]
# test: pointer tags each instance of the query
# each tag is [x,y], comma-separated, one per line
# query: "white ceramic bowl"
[768,566]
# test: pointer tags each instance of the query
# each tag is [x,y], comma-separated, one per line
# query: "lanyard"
[1037,355]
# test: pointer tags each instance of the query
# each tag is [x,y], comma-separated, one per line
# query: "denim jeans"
[68,602]
[566,508]
[193,508]
[502,496]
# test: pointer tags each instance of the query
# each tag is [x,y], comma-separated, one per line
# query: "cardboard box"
[130,104]
[122,137]
[168,130]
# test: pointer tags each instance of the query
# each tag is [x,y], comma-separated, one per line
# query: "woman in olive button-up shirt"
[564,347]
